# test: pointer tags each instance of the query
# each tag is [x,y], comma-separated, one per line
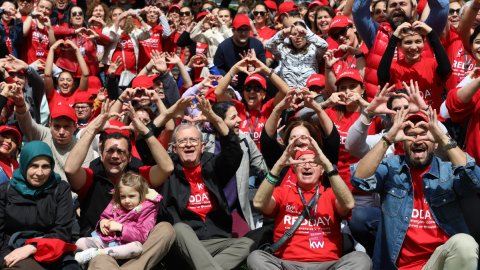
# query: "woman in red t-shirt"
[158,32]
[323,17]
[66,83]
[125,39]
[431,73]
[264,32]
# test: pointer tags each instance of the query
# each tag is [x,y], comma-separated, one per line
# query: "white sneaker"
[83,257]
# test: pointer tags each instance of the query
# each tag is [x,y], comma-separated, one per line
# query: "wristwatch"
[450,144]
[333,172]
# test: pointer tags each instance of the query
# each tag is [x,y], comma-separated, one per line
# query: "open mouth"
[418,151]
[398,15]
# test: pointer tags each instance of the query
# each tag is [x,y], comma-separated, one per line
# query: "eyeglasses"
[453,11]
[261,13]
[253,88]
[186,13]
[342,32]
[378,11]
[184,141]
[310,163]
[75,13]
[81,107]
[207,9]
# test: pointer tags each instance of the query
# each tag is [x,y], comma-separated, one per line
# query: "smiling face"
[454,14]
[129,197]
[152,16]
[241,35]
[65,83]
[419,153]
[232,120]
[186,15]
[254,95]
[188,146]
[98,12]
[76,16]
[307,173]
[412,46]
[7,17]
[115,157]
[302,133]
[260,14]
[225,16]
[8,144]
[346,35]
[45,7]
[38,171]
[323,21]
[61,4]
[399,11]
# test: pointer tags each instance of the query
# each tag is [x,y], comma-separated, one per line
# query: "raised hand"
[177,110]
[379,104]
[396,132]
[330,59]
[159,61]
[337,98]
[115,65]
[415,100]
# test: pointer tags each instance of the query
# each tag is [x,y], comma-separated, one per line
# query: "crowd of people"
[176,134]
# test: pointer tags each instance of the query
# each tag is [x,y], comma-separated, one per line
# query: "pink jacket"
[137,223]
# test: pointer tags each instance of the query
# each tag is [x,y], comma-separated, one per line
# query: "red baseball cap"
[49,250]
[340,21]
[317,3]
[174,6]
[83,97]
[316,80]
[351,73]
[119,124]
[286,7]
[306,152]
[201,15]
[256,78]
[271,5]
[240,20]
[94,84]
[143,81]
[12,130]
[417,117]
[65,111]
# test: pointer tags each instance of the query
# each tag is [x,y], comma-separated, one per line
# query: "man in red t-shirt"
[317,242]
[422,225]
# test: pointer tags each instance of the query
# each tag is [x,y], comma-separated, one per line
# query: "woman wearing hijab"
[35,228]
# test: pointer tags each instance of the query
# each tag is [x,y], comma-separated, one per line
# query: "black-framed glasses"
[453,11]
[259,13]
[253,88]
[77,13]
[184,141]
[342,32]
[186,13]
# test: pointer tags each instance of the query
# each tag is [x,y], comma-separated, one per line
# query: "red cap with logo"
[317,3]
[256,78]
[340,21]
[316,80]
[201,15]
[143,81]
[65,111]
[12,130]
[240,20]
[351,73]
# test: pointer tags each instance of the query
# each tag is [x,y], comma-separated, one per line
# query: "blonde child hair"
[133,180]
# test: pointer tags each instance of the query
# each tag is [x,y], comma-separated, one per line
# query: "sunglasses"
[261,13]
[75,13]
[342,32]
[207,9]
[253,88]
[186,13]
[453,11]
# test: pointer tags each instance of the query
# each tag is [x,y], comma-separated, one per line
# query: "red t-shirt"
[57,99]
[148,45]
[316,240]
[253,122]
[37,44]
[127,43]
[423,234]
[424,71]
[200,201]
[460,112]
[265,34]
[8,41]
[83,191]
[345,159]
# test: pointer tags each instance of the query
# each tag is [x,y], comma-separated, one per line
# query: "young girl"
[125,223]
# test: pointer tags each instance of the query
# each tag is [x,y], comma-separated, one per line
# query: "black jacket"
[217,170]
[51,213]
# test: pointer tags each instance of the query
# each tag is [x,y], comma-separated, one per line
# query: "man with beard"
[376,35]
[422,225]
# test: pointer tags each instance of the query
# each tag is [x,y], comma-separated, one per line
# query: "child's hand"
[105,226]
[115,226]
